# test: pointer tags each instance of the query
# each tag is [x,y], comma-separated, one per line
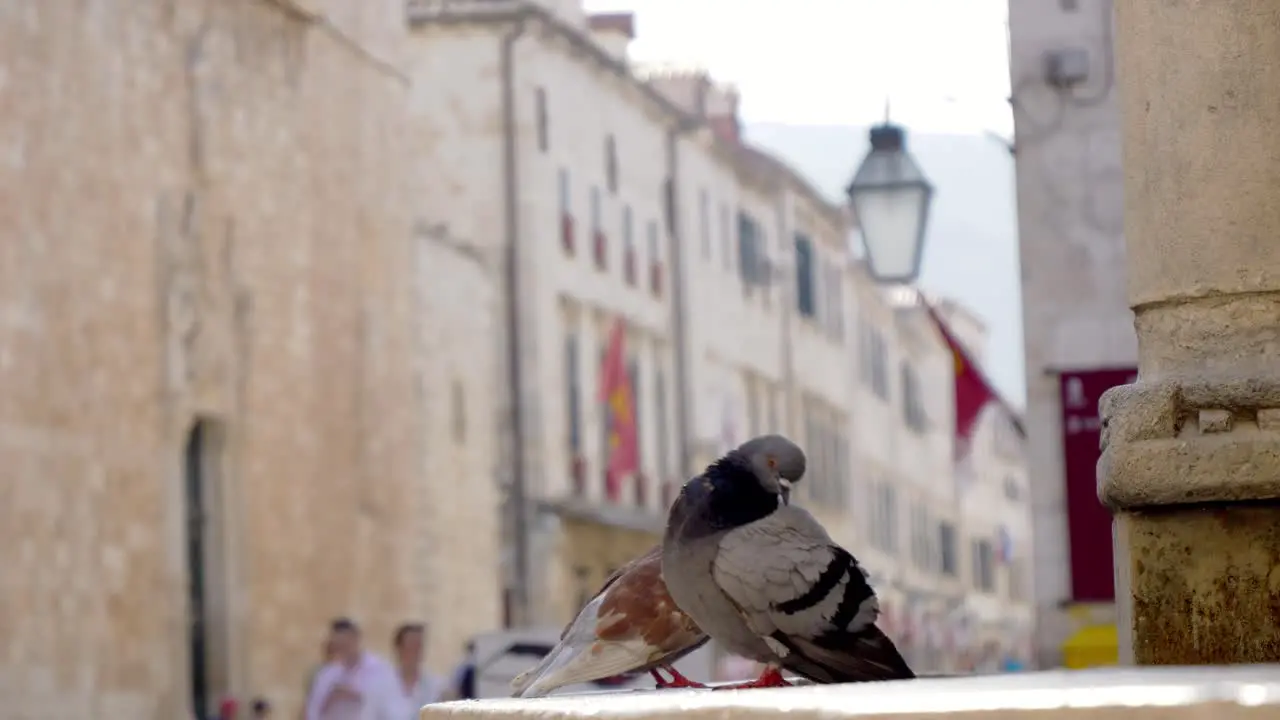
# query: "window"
[832,448]
[753,408]
[884,518]
[815,474]
[195,498]
[834,315]
[750,251]
[704,222]
[573,393]
[947,549]
[1018,589]
[582,579]
[771,402]
[566,204]
[1012,489]
[913,413]
[204,542]
[984,576]
[655,259]
[628,246]
[805,299]
[922,537]
[662,424]
[633,377]
[873,359]
[611,164]
[726,237]
[600,248]
[540,111]
[669,205]
[824,442]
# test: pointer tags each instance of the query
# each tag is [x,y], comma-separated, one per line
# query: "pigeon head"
[750,481]
[777,463]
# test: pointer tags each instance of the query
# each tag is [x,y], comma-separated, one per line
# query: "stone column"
[1191,463]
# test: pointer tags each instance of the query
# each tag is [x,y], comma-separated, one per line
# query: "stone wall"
[204,217]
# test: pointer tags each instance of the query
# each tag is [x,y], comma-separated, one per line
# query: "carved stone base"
[1204,583]
[1192,470]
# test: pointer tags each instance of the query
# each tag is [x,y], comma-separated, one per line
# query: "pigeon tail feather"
[573,665]
[521,682]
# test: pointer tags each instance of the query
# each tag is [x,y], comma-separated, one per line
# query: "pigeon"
[765,580]
[631,625]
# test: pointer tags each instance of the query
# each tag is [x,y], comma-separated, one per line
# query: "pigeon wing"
[807,597]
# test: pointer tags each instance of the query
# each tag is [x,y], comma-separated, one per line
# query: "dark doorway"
[196,535]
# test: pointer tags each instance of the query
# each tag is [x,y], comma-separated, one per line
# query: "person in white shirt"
[356,685]
[417,686]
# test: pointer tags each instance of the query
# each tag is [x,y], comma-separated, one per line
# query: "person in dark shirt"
[260,709]
[464,676]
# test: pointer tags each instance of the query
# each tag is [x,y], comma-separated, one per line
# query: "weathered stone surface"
[1199,693]
[1205,583]
[1192,459]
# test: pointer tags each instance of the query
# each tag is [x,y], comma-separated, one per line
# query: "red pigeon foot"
[771,677]
[677,680]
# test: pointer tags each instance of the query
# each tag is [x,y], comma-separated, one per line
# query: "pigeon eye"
[773,464]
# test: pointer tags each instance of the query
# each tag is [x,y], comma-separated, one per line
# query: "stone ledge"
[1251,691]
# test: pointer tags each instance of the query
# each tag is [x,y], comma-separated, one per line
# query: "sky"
[941,66]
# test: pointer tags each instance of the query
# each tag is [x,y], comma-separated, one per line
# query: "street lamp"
[890,197]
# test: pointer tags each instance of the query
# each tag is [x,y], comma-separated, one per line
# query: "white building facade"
[606,196]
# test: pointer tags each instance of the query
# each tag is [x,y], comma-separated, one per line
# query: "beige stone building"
[227,408]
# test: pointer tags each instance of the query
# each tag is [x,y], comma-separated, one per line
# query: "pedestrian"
[260,709]
[326,657]
[356,684]
[418,686]
[463,684]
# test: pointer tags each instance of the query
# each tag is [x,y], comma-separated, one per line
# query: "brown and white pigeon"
[631,625]
[763,578]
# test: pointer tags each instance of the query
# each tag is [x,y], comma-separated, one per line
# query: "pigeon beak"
[785,494]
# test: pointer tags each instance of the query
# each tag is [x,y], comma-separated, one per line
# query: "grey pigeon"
[763,578]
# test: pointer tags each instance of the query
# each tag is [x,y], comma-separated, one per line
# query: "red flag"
[973,392]
[616,393]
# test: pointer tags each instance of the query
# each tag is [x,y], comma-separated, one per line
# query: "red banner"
[972,391]
[616,392]
[1088,522]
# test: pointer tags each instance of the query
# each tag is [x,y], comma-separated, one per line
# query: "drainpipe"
[679,314]
[511,220]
